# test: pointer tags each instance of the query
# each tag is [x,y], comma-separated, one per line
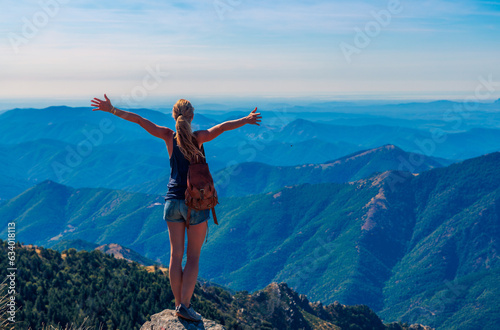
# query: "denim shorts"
[175,210]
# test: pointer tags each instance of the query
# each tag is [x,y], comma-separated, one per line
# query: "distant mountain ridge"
[78,147]
[252,178]
[454,144]
[255,178]
[81,148]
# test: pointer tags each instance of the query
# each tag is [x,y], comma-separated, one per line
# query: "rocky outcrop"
[168,320]
[121,252]
[420,327]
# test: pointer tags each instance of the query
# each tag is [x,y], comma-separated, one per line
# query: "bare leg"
[176,235]
[196,235]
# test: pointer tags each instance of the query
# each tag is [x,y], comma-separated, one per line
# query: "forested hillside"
[97,290]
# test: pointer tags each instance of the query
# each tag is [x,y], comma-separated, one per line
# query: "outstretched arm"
[153,129]
[254,118]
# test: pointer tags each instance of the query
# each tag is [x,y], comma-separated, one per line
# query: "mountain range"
[412,247]
[253,178]
[81,148]
[318,197]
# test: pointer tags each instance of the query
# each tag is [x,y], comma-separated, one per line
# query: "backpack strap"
[215,218]
[199,159]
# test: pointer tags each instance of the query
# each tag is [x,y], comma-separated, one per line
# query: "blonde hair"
[183,113]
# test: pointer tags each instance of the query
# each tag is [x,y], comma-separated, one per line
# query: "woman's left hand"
[102,105]
[254,117]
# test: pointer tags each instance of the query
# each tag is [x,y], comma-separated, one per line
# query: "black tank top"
[178,174]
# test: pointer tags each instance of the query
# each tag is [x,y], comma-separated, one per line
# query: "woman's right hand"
[102,105]
[254,118]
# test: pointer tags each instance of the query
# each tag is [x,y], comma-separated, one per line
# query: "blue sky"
[242,48]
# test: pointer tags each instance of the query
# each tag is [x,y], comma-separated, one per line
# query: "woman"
[182,146]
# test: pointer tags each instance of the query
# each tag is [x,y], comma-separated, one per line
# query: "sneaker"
[194,314]
[187,313]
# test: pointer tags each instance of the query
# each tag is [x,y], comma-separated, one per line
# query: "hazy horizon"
[226,102]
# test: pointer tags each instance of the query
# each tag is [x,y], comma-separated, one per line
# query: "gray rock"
[420,327]
[168,320]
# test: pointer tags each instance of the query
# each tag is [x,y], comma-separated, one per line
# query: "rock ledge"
[168,320]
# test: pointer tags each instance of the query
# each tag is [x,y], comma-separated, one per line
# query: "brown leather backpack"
[200,192]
